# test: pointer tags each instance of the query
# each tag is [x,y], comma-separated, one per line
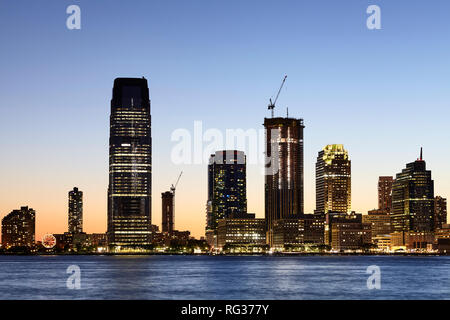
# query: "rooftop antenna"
[271,105]
[421,158]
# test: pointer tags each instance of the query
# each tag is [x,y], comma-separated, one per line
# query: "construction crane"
[172,190]
[173,187]
[271,105]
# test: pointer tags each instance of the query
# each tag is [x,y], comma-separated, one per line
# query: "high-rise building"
[283,170]
[130,165]
[18,228]
[440,212]
[167,212]
[75,211]
[385,193]
[413,198]
[227,190]
[333,180]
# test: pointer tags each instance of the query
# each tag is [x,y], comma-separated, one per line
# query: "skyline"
[55,149]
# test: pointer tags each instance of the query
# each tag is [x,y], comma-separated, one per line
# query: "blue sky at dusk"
[382,93]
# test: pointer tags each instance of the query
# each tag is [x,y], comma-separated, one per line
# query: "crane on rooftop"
[271,105]
[173,187]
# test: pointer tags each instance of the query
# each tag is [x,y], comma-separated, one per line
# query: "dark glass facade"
[167,219]
[75,211]
[18,228]
[413,199]
[130,164]
[284,170]
[227,189]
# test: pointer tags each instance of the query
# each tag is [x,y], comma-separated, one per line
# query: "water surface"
[224,277]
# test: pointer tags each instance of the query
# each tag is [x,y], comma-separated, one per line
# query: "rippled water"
[224,277]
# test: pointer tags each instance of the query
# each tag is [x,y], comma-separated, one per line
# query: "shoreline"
[286,254]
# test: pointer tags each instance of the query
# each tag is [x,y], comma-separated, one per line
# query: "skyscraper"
[130,165]
[227,187]
[18,228]
[284,170]
[333,180]
[413,198]
[440,212]
[75,211]
[385,193]
[167,219]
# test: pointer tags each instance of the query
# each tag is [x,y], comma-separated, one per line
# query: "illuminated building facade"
[303,229]
[283,170]
[75,211]
[440,212]
[380,222]
[385,193]
[413,199]
[244,230]
[130,165]
[167,212]
[347,231]
[333,180]
[18,228]
[227,190]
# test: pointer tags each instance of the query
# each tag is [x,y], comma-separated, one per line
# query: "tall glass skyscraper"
[227,187]
[333,180]
[75,211]
[413,198]
[130,165]
[284,170]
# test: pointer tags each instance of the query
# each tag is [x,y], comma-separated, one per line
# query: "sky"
[382,93]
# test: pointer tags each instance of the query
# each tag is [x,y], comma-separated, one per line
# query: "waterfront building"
[283,170]
[130,165]
[227,190]
[440,212]
[347,231]
[383,242]
[443,232]
[413,199]
[242,230]
[385,193]
[75,211]
[301,231]
[167,219]
[333,180]
[380,222]
[18,228]
[419,241]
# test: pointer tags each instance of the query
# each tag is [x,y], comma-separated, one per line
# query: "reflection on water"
[224,277]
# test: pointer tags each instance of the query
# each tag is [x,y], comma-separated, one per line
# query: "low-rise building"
[242,230]
[301,230]
[347,231]
[380,222]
